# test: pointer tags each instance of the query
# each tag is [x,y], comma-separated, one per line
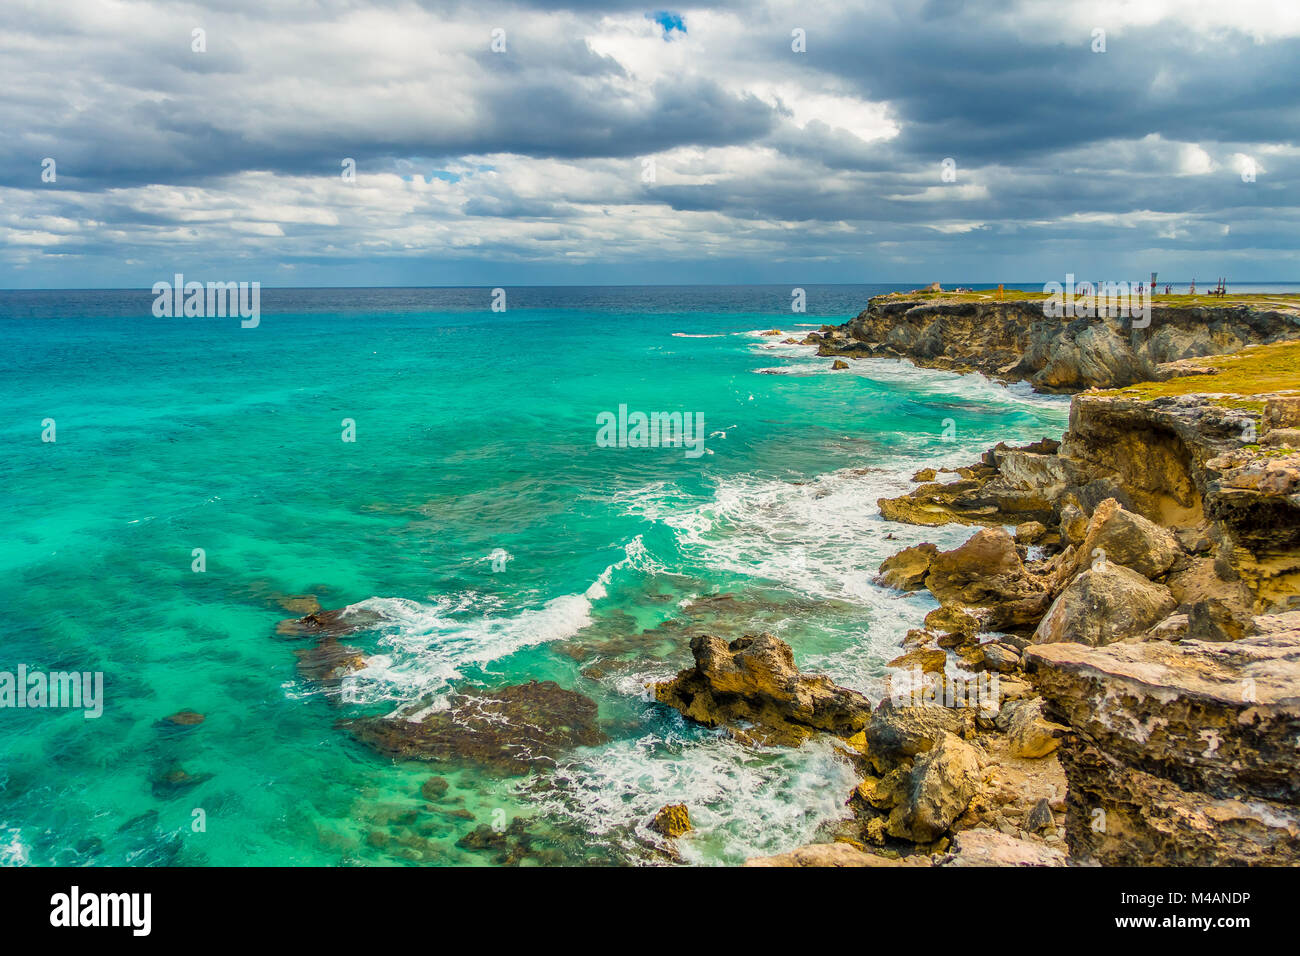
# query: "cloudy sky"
[611,142]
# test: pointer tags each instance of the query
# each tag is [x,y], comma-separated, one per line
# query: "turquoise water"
[475,432]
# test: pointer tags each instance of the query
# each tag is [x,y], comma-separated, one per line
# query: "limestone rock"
[984,847]
[833,854]
[1218,717]
[1000,657]
[753,680]
[1180,753]
[1039,819]
[1128,539]
[1074,525]
[1029,734]
[1015,340]
[941,785]
[1117,815]
[896,732]
[1213,620]
[987,572]
[1030,532]
[953,619]
[1103,606]
[839,365]
[906,570]
[928,660]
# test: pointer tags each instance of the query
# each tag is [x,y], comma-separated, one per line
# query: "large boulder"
[987,572]
[896,732]
[1128,539]
[753,681]
[672,820]
[940,787]
[1103,605]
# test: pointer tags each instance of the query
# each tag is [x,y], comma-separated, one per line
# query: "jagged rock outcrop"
[1185,463]
[906,570]
[1180,753]
[1149,595]
[672,821]
[1010,486]
[753,681]
[1118,536]
[940,786]
[1016,341]
[1175,487]
[894,733]
[987,573]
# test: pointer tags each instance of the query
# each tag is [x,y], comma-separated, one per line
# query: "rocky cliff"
[1016,340]
[1157,616]
[1117,682]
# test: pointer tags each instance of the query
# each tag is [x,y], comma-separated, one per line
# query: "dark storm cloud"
[820,155]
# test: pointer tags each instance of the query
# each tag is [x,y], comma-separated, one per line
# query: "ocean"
[475,511]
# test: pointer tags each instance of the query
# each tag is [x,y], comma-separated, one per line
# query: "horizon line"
[621,285]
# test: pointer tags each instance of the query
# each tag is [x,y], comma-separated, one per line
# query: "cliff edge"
[1016,340]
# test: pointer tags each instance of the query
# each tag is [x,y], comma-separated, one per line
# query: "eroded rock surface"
[1180,753]
[1105,605]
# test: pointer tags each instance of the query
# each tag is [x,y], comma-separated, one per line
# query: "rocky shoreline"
[1015,341]
[1138,635]
[1111,676]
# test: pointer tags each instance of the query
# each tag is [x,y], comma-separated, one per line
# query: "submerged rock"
[329,660]
[753,681]
[335,623]
[511,729]
[176,780]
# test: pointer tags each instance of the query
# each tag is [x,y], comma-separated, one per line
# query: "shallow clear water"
[475,432]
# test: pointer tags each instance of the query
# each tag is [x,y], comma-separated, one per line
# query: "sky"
[331,142]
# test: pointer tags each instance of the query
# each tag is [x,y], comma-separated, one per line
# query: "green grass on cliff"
[1254,370]
[1289,301]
